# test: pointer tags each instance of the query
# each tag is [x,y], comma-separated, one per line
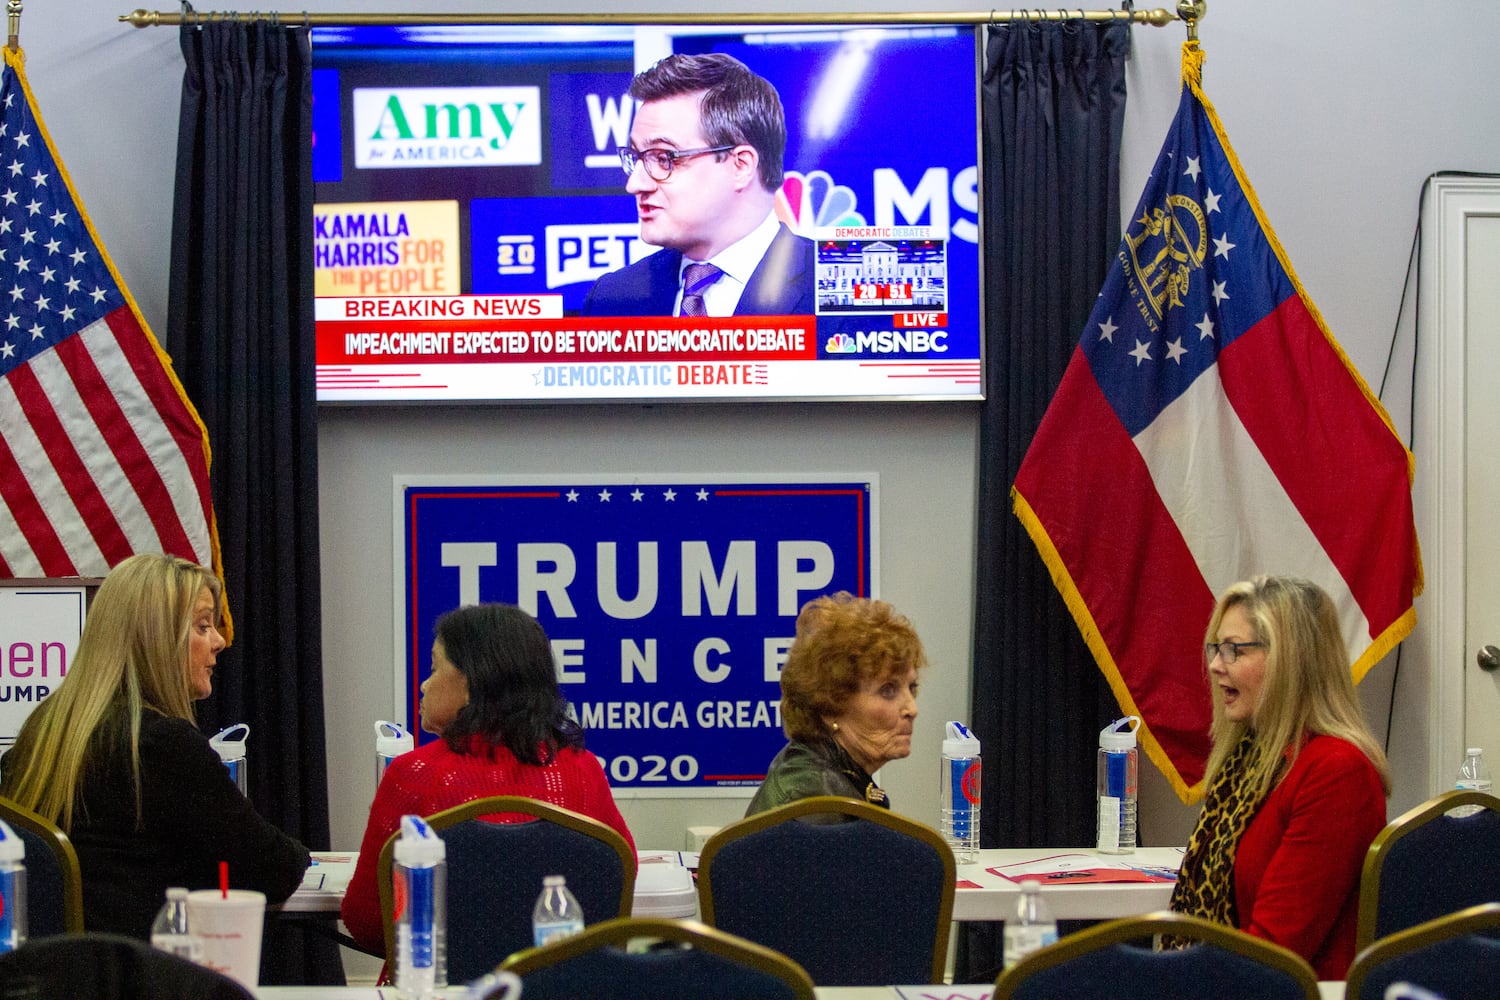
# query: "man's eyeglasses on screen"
[659,162]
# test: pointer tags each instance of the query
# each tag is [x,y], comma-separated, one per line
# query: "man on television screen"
[704,165]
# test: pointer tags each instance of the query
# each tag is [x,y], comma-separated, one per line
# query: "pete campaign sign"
[670,602]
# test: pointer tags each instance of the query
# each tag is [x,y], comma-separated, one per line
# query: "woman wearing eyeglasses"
[1296,782]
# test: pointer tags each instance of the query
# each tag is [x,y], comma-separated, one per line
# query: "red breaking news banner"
[449,330]
[523,347]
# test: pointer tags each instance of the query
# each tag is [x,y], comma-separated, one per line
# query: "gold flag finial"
[1192,12]
[13,12]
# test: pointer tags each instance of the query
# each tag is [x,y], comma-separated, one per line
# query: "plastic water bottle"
[170,931]
[391,741]
[557,913]
[959,790]
[12,889]
[1473,775]
[419,880]
[1119,769]
[231,750]
[1033,927]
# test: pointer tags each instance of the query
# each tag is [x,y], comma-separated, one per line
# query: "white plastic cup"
[230,928]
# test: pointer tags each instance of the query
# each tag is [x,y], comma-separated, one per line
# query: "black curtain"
[1053,111]
[240,333]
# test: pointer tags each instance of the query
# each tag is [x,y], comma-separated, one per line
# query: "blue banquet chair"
[1456,956]
[859,902]
[108,967]
[53,880]
[1115,960]
[495,873]
[697,961]
[1423,865]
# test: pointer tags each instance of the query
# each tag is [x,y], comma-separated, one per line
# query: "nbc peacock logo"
[812,201]
[841,343]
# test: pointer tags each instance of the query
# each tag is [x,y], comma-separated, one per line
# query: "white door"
[1457,494]
[1482,488]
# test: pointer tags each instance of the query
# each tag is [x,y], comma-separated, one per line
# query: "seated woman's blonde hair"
[1308,687]
[133,655]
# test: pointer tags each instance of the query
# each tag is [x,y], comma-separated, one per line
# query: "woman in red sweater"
[1296,782]
[493,698]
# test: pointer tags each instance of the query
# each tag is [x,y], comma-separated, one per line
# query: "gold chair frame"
[1486,916]
[849,807]
[503,804]
[67,858]
[1148,925]
[620,930]
[1380,848]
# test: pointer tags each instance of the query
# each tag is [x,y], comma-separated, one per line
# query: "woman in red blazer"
[1296,782]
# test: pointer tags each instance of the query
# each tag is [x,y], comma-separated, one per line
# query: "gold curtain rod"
[142,18]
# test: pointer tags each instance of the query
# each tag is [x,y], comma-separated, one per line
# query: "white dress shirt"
[738,262]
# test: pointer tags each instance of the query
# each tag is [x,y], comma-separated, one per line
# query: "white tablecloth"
[982,894]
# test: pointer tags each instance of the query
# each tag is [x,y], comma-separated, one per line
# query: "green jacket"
[802,770]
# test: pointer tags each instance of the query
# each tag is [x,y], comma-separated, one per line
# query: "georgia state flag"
[1209,429]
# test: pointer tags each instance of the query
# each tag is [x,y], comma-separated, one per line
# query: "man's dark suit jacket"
[782,284]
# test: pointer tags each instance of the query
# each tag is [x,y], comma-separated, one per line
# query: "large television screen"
[479,237]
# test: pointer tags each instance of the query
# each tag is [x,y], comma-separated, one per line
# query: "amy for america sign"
[670,602]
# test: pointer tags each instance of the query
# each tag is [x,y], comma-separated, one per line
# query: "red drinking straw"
[224,879]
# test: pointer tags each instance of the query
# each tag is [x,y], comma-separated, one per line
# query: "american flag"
[1208,429]
[101,454]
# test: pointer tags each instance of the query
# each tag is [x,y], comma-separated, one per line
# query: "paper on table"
[943,992]
[687,859]
[329,872]
[1070,869]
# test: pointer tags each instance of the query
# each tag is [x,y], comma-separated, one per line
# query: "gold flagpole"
[1192,12]
[1158,17]
[13,15]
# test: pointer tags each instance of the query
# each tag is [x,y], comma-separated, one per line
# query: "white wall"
[1336,117]
[926,547]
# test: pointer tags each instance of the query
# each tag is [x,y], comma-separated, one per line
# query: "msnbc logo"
[841,343]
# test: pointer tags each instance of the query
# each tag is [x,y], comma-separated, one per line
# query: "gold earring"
[835,727]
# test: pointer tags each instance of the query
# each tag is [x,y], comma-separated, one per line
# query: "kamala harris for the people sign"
[670,602]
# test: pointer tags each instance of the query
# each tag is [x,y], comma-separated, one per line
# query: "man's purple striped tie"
[695,281]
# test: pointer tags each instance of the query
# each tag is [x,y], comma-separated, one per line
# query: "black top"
[192,817]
